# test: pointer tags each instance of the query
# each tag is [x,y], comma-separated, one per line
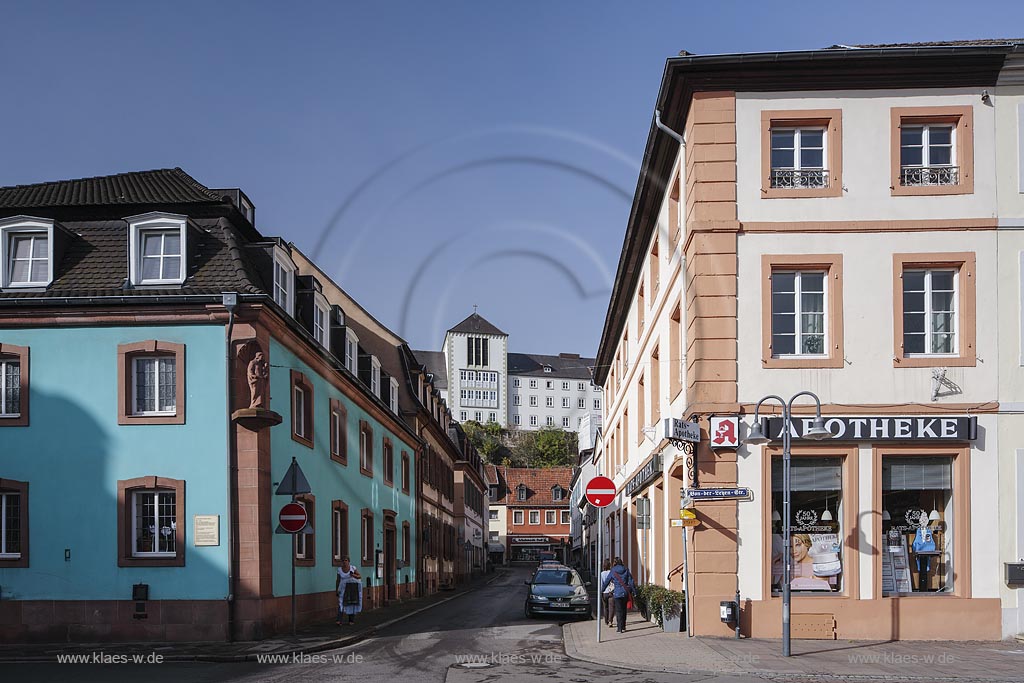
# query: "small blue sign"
[720,494]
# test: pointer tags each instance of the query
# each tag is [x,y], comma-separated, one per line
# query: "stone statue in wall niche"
[257,375]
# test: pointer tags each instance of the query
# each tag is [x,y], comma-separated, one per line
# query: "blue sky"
[431,155]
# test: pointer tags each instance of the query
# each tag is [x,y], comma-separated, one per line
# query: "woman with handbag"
[624,590]
[350,591]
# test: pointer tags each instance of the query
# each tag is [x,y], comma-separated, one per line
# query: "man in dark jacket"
[622,580]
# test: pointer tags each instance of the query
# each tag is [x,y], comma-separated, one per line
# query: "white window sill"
[172,413]
[154,556]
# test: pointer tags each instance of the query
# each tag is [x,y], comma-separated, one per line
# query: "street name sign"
[720,494]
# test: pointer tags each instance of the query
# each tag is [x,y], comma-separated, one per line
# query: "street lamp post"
[756,437]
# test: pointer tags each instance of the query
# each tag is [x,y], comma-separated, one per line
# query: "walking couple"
[617,587]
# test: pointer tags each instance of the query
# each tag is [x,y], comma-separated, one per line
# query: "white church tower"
[476,358]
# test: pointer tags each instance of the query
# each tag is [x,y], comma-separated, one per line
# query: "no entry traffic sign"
[292,518]
[600,491]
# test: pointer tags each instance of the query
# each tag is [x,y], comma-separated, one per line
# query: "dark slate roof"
[436,365]
[981,42]
[161,186]
[476,323]
[95,263]
[565,365]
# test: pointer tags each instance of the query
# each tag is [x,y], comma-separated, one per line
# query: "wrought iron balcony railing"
[911,176]
[794,179]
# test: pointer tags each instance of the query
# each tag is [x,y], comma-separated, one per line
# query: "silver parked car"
[557,590]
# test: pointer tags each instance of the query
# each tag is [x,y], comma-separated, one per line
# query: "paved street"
[480,636]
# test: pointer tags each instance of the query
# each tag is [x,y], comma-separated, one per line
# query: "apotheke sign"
[644,476]
[896,428]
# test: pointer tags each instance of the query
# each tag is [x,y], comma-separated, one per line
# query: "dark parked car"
[557,590]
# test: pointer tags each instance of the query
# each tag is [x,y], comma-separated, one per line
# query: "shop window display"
[917,533]
[816,490]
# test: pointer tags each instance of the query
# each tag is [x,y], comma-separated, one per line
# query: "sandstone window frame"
[965,263]
[832,264]
[961,117]
[126,490]
[126,356]
[831,120]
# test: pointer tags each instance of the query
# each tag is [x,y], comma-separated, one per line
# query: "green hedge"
[657,601]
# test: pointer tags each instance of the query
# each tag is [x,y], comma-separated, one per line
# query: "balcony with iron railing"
[799,179]
[918,176]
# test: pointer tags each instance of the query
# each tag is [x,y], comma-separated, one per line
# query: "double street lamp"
[756,437]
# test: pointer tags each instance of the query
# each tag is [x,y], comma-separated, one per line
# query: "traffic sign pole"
[295,539]
[600,554]
[600,491]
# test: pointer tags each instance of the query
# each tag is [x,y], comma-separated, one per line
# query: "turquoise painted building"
[161,364]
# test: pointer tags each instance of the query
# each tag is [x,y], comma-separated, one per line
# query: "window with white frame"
[478,416]
[581,404]
[557,493]
[322,322]
[154,383]
[284,281]
[580,386]
[515,382]
[597,404]
[462,416]
[516,419]
[157,244]
[160,257]
[565,422]
[28,263]
[301,546]
[565,402]
[393,402]
[534,516]
[154,523]
[798,158]
[547,368]
[10,387]
[549,384]
[299,411]
[492,417]
[533,400]
[533,384]
[565,386]
[549,421]
[493,515]
[521,492]
[798,313]
[477,350]
[10,525]
[26,251]
[517,516]
[930,318]
[927,152]
[550,516]
[533,420]
[351,351]
[375,375]
[517,400]
[565,517]
[549,402]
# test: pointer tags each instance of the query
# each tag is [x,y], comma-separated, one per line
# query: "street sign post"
[292,484]
[600,492]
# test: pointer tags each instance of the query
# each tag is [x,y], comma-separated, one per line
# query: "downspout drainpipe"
[230,301]
[668,131]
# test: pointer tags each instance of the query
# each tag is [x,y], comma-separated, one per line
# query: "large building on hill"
[486,383]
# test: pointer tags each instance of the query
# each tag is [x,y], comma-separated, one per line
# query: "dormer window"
[547,368]
[284,280]
[157,244]
[393,396]
[557,493]
[351,351]
[521,492]
[26,252]
[322,320]
[375,375]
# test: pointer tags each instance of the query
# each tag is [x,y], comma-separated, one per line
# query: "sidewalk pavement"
[645,647]
[308,639]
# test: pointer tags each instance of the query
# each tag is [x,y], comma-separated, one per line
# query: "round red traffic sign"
[600,491]
[292,518]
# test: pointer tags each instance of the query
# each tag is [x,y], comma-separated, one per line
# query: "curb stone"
[571,650]
[251,656]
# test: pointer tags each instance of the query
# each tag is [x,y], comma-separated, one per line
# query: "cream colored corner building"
[849,222]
